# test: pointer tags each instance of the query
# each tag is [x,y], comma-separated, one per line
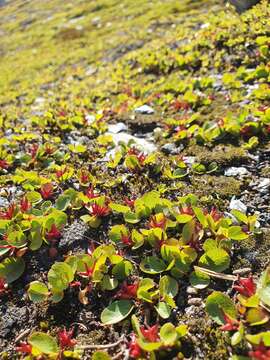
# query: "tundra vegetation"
[134,180]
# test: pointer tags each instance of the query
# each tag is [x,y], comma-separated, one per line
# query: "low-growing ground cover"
[134,175]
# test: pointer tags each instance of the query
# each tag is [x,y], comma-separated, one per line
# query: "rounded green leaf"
[34,197]
[38,291]
[218,304]
[163,309]
[109,283]
[216,260]
[199,280]
[12,268]
[45,343]
[60,275]
[149,346]
[168,286]
[152,265]
[62,202]
[116,312]
[236,233]
[168,334]
[101,355]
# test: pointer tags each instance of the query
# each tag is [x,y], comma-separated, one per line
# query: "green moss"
[223,155]
[216,186]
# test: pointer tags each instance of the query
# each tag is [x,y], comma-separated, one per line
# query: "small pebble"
[242,271]
[195,301]
[191,290]
[144,109]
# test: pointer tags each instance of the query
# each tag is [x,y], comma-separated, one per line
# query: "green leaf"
[263,287]
[101,355]
[60,275]
[136,325]
[199,280]
[12,268]
[263,337]
[34,197]
[117,231]
[148,346]
[236,233]
[182,330]
[183,218]
[163,309]
[62,202]
[122,270]
[152,265]
[38,291]
[256,316]
[116,312]
[217,304]
[45,343]
[188,231]
[168,334]
[119,208]
[109,283]
[216,260]
[131,217]
[168,286]
[200,216]
[240,216]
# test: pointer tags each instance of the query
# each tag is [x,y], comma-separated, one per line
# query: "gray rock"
[117,128]
[195,301]
[170,148]
[237,205]
[3,202]
[144,109]
[236,171]
[243,5]
[264,183]
[73,237]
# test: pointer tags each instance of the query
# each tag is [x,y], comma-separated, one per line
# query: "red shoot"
[150,334]
[155,223]
[246,130]
[59,173]
[245,286]
[260,352]
[98,210]
[140,155]
[65,338]
[54,233]
[215,214]
[4,164]
[126,239]
[49,149]
[88,271]
[134,349]
[46,191]
[24,348]
[9,213]
[33,150]
[187,210]
[84,177]
[90,193]
[230,324]
[25,204]
[75,284]
[127,292]
[180,128]
[180,105]
[130,202]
